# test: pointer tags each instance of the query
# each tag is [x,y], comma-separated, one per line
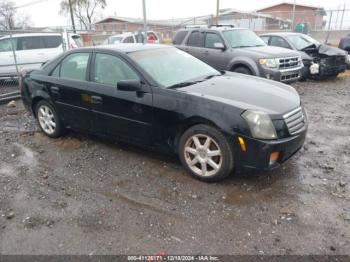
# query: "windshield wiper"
[183,84]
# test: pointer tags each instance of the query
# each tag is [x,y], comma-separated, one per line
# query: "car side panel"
[175,111]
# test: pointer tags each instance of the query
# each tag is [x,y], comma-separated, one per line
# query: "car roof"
[281,33]
[30,34]
[128,48]
[221,28]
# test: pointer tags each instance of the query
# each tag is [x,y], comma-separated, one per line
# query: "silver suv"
[239,50]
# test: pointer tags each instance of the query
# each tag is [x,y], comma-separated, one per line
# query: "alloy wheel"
[203,155]
[46,119]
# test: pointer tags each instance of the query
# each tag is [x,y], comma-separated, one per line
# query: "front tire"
[48,119]
[242,70]
[206,153]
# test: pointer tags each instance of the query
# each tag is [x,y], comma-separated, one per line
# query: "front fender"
[244,61]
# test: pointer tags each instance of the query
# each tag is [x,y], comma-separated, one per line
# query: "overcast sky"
[46,13]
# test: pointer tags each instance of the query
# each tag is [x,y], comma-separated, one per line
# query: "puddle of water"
[7,170]
[27,157]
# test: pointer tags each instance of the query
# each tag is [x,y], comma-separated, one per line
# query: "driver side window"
[279,41]
[109,70]
[211,39]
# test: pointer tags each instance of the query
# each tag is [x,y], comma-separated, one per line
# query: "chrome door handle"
[96,100]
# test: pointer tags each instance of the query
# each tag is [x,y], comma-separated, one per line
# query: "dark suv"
[239,50]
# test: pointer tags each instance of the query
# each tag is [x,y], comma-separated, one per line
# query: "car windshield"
[302,41]
[243,38]
[170,66]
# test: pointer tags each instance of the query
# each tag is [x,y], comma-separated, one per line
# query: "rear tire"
[205,153]
[48,120]
[242,70]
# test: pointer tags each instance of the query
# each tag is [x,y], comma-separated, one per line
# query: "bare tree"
[7,15]
[84,10]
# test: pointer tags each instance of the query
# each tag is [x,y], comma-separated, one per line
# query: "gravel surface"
[84,195]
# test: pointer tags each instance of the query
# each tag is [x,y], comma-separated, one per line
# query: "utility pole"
[342,17]
[71,15]
[293,15]
[144,21]
[336,20]
[217,11]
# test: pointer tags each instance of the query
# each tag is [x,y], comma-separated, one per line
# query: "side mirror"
[219,46]
[129,85]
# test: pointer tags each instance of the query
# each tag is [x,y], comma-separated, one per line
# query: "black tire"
[242,70]
[58,129]
[218,140]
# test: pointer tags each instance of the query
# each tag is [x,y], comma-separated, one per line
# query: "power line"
[30,4]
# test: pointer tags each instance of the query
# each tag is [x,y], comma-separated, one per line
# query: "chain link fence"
[28,49]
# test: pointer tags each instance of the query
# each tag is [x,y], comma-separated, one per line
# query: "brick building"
[312,15]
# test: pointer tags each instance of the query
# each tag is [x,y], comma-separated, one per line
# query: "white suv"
[31,50]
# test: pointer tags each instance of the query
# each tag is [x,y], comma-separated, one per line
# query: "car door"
[211,55]
[69,91]
[123,114]
[7,61]
[195,44]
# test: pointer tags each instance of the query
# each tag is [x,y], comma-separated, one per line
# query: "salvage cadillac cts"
[165,99]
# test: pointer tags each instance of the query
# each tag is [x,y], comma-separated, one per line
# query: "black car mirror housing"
[129,85]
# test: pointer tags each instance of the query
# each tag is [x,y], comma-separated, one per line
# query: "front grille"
[289,77]
[289,62]
[295,121]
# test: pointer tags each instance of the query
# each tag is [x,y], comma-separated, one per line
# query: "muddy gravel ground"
[84,195]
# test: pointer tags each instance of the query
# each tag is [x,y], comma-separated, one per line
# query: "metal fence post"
[14,53]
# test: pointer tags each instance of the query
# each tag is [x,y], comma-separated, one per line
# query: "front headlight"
[269,62]
[260,124]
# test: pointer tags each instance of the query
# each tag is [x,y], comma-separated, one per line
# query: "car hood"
[268,51]
[247,92]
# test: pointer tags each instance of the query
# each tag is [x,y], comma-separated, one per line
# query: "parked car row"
[165,99]
[239,50]
[320,60]
[129,37]
[29,51]
[285,57]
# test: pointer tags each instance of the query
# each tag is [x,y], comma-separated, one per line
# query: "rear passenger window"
[129,39]
[30,42]
[196,39]
[279,41]
[211,39]
[74,66]
[179,37]
[265,39]
[109,70]
[52,41]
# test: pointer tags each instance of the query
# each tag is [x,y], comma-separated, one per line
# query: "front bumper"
[257,154]
[285,75]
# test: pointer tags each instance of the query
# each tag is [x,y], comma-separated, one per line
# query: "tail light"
[22,73]
[73,45]
[341,40]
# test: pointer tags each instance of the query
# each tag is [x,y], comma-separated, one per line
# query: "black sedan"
[320,60]
[164,99]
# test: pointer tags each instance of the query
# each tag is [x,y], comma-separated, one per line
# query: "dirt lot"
[84,195]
